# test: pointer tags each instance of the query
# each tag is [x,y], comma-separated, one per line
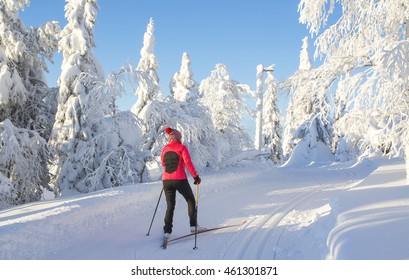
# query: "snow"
[321,211]
[304,154]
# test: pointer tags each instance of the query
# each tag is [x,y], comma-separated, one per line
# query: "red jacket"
[175,157]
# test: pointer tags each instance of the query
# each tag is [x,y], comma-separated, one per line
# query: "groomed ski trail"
[279,205]
[275,209]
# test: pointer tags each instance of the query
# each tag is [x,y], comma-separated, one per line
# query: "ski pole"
[157,204]
[197,203]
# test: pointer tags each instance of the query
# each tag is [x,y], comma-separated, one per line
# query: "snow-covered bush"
[7,196]
[24,156]
[108,152]
[112,157]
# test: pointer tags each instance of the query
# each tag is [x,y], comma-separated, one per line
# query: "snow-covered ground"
[321,211]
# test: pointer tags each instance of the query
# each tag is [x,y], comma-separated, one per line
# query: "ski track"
[260,238]
[263,236]
[278,210]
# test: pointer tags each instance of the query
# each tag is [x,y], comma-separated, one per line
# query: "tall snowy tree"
[224,97]
[26,105]
[149,107]
[148,89]
[271,120]
[182,86]
[259,107]
[191,119]
[368,50]
[23,53]
[97,146]
[308,111]
[80,71]
[305,62]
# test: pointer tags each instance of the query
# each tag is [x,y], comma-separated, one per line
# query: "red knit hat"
[174,134]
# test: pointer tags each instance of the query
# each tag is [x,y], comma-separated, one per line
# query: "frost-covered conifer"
[80,72]
[305,62]
[148,64]
[26,105]
[23,53]
[98,147]
[224,98]
[182,85]
[308,107]
[271,139]
[191,119]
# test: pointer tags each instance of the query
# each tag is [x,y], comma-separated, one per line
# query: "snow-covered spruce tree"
[271,140]
[309,109]
[24,157]
[296,115]
[80,71]
[224,98]
[23,53]
[147,91]
[182,86]
[149,108]
[98,147]
[191,119]
[368,46]
[26,105]
[305,61]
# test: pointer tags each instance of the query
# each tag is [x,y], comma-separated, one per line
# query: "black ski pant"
[182,186]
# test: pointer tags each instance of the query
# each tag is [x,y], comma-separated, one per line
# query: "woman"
[175,157]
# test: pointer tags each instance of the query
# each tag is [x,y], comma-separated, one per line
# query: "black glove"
[197,180]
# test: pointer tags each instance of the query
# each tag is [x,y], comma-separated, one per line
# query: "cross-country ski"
[166,241]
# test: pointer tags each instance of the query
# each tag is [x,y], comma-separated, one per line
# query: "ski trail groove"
[251,245]
[265,235]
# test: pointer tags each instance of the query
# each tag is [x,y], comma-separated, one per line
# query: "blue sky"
[240,34]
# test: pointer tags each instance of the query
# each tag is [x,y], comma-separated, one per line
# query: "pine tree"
[23,53]
[271,121]
[26,105]
[308,115]
[305,62]
[224,98]
[80,72]
[182,85]
[191,119]
[148,88]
